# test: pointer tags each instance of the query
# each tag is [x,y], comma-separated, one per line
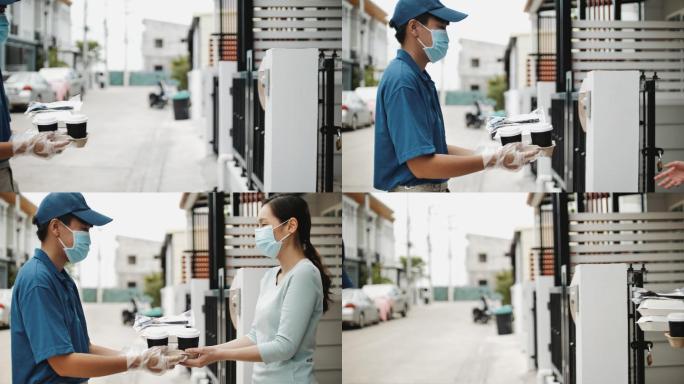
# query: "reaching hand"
[41,144]
[202,356]
[672,176]
[511,156]
[156,360]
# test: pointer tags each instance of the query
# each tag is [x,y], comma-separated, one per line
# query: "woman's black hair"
[285,207]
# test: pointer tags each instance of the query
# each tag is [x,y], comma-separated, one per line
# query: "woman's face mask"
[265,241]
[440,44]
[80,248]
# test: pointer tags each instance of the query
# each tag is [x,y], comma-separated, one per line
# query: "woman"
[292,298]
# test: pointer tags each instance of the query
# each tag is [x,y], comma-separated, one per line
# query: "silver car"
[24,87]
[355,112]
[357,309]
[398,300]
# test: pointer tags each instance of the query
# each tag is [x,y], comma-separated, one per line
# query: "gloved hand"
[156,360]
[41,144]
[511,156]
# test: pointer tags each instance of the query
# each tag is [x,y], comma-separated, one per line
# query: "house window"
[158,43]
[132,284]
[132,259]
[158,68]
[482,283]
[474,87]
[482,257]
[475,63]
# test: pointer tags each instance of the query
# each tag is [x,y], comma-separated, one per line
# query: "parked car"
[5,303]
[357,309]
[65,82]
[398,300]
[368,95]
[25,87]
[355,112]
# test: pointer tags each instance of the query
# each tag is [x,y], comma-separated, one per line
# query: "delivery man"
[44,144]
[411,153]
[50,342]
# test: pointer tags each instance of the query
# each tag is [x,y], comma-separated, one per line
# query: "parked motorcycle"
[128,314]
[475,120]
[160,98]
[482,314]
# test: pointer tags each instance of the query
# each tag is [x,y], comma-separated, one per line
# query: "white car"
[5,303]
[355,112]
[368,95]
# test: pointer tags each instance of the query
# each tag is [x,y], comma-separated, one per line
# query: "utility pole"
[409,264]
[366,222]
[362,34]
[429,249]
[450,293]
[125,42]
[106,40]
[46,34]
[85,43]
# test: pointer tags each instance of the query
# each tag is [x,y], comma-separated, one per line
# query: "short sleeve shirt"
[408,123]
[46,320]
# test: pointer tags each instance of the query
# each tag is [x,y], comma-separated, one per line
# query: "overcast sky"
[488,20]
[177,11]
[142,215]
[492,214]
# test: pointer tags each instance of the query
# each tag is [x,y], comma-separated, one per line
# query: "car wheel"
[354,123]
[405,311]
[362,322]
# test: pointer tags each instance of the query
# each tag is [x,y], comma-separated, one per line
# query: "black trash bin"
[504,320]
[181,105]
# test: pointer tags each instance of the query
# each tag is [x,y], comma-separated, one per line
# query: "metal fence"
[329,137]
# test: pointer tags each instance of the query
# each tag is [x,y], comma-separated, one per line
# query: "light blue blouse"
[285,323]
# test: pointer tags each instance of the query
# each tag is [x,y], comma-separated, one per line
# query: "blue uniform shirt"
[5,131]
[408,123]
[46,320]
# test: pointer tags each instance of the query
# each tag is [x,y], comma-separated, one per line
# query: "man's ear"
[54,227]
[412,27]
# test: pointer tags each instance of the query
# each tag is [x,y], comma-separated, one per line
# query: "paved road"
[357,161]
[435,344]
[131,148]
[104,328]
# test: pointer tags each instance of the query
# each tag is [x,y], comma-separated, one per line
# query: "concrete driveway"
[131,148]
[434,344]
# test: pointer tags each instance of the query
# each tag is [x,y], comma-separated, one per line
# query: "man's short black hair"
[42,228]
[422,18]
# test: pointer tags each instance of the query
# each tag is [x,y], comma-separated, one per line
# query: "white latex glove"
[511,156]
[40,144]
[156,360]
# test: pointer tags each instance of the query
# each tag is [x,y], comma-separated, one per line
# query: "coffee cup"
[187,338]
[45,123]
[676,323]
[541,135]
[509,135]
[77,126]
[156,337]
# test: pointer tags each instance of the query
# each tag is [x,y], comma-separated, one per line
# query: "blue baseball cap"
[7,2]
[409,9]
[58,204]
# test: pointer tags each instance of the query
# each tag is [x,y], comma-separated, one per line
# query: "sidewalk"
[131,148]
[434,344]
[358,158]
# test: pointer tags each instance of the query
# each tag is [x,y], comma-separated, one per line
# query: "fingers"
[664,174]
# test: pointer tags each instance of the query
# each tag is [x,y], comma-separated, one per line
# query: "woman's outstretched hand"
[673,176]
[203,356]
